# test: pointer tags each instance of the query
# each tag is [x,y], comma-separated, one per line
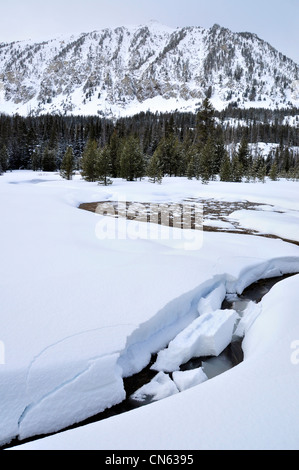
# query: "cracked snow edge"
[153,335]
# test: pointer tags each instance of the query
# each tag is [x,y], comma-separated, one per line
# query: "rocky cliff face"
[126,70]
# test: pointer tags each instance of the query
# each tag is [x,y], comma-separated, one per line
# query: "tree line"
[200,145]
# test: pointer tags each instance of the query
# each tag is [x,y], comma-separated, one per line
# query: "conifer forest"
[200,145]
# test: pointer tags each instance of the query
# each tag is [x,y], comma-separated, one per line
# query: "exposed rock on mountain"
[129,69]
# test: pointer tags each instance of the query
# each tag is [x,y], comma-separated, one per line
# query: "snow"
[283,225]
[208,335]
[189,378]
[161,386]
[140,68]
[251,407]
[212,301]
[80,313]
[249,315]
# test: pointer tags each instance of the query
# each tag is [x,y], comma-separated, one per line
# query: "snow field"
[79,314]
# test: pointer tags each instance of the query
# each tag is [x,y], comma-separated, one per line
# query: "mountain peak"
[154,67]
[156,25]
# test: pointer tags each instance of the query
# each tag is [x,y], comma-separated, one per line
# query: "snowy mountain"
[153,67]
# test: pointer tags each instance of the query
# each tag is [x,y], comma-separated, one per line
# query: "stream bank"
[212,366]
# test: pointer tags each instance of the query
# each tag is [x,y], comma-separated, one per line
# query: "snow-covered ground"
[80,311]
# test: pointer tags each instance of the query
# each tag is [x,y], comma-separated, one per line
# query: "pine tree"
[104,166]
[36,160]
[204,123]
[154,171]
[225,169]
[294,173]
[207,156]
[273,171]
[114,149]
[261,174]
[220,154]
[190,169]
[197,164]
[4,159]
[244,154]
[237,169]
[258,169]
[286,160]
[67,164]
[132,160]
[169,152]
[89,161]
[49,160]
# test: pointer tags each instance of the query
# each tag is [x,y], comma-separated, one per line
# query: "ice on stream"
[207,335]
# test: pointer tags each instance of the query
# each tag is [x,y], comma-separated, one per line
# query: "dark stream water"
[212,366]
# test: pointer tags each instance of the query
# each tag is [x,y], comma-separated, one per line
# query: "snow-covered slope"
[130,69]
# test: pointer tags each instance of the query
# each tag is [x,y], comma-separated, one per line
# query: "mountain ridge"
[125,70]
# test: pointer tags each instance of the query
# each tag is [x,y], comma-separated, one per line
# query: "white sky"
[276,21]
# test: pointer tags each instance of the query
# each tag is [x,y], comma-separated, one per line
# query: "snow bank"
[254,406]
[249,315]
[273,268]
[100,386]
[213,300]
[283,225]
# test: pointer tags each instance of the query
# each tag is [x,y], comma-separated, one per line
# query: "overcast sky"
[275,21]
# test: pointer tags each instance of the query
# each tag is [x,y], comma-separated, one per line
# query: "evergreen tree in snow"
[220,154]
[169,152]
[244,155]
[261,174]
[273,174]
[154,171]
[67,164]
[204,123]
[114,149]
[225,169]
[190,173]
[207,156]
[258,169]
[131,161]
[237,169]
[104,166]
[4,159]
[49,162]
[89,161]
[36,159]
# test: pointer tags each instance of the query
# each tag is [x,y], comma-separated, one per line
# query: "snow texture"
[251,407]
[79,313]
[189,378]
[208,335]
